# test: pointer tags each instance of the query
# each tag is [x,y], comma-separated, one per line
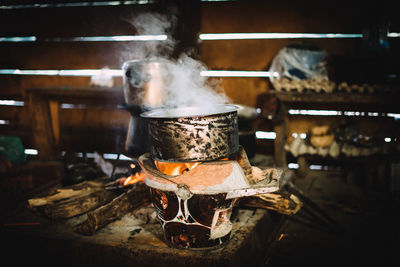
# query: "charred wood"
[114,210]
[72,201]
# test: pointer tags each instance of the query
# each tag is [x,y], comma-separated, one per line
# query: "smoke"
[182,85]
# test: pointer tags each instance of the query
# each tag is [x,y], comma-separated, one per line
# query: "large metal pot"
[193,134]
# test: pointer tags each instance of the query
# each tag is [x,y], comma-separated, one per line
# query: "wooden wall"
[280,17]
[82,126]
[90,126]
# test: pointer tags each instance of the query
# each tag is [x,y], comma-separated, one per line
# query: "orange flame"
[133,178]
[174,168]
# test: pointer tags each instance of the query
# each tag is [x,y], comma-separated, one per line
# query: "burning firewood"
[125,182]
[114,210]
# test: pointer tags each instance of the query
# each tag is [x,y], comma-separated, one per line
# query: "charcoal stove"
[194,166]
[194,204]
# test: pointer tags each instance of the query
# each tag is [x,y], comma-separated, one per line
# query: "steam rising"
[182,85]
[153,23]
[185,86]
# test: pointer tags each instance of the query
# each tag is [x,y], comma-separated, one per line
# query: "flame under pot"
[193,134]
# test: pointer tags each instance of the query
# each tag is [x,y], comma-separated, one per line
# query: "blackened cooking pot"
[193,134]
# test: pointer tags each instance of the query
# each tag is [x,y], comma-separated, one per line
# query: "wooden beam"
[41,126]
[54,107]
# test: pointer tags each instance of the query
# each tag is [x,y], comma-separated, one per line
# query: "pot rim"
[188,112]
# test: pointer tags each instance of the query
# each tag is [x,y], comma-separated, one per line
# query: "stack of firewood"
[101,206]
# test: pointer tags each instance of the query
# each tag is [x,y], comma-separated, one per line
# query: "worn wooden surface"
[136,240]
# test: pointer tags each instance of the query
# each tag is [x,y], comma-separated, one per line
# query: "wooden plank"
[84,95]
[69,55]
[93,118]
[258,54]
[14,86]
[70,21]
[289,16]
[91,20]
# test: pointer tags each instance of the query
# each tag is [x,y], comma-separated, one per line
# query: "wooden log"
[71,201]
[114,210]
[284,203]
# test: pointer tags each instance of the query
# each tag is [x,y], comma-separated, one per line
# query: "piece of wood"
[71,201]
[284,203]
[114,210]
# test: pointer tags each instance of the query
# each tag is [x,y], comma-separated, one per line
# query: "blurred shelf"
[384,101]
